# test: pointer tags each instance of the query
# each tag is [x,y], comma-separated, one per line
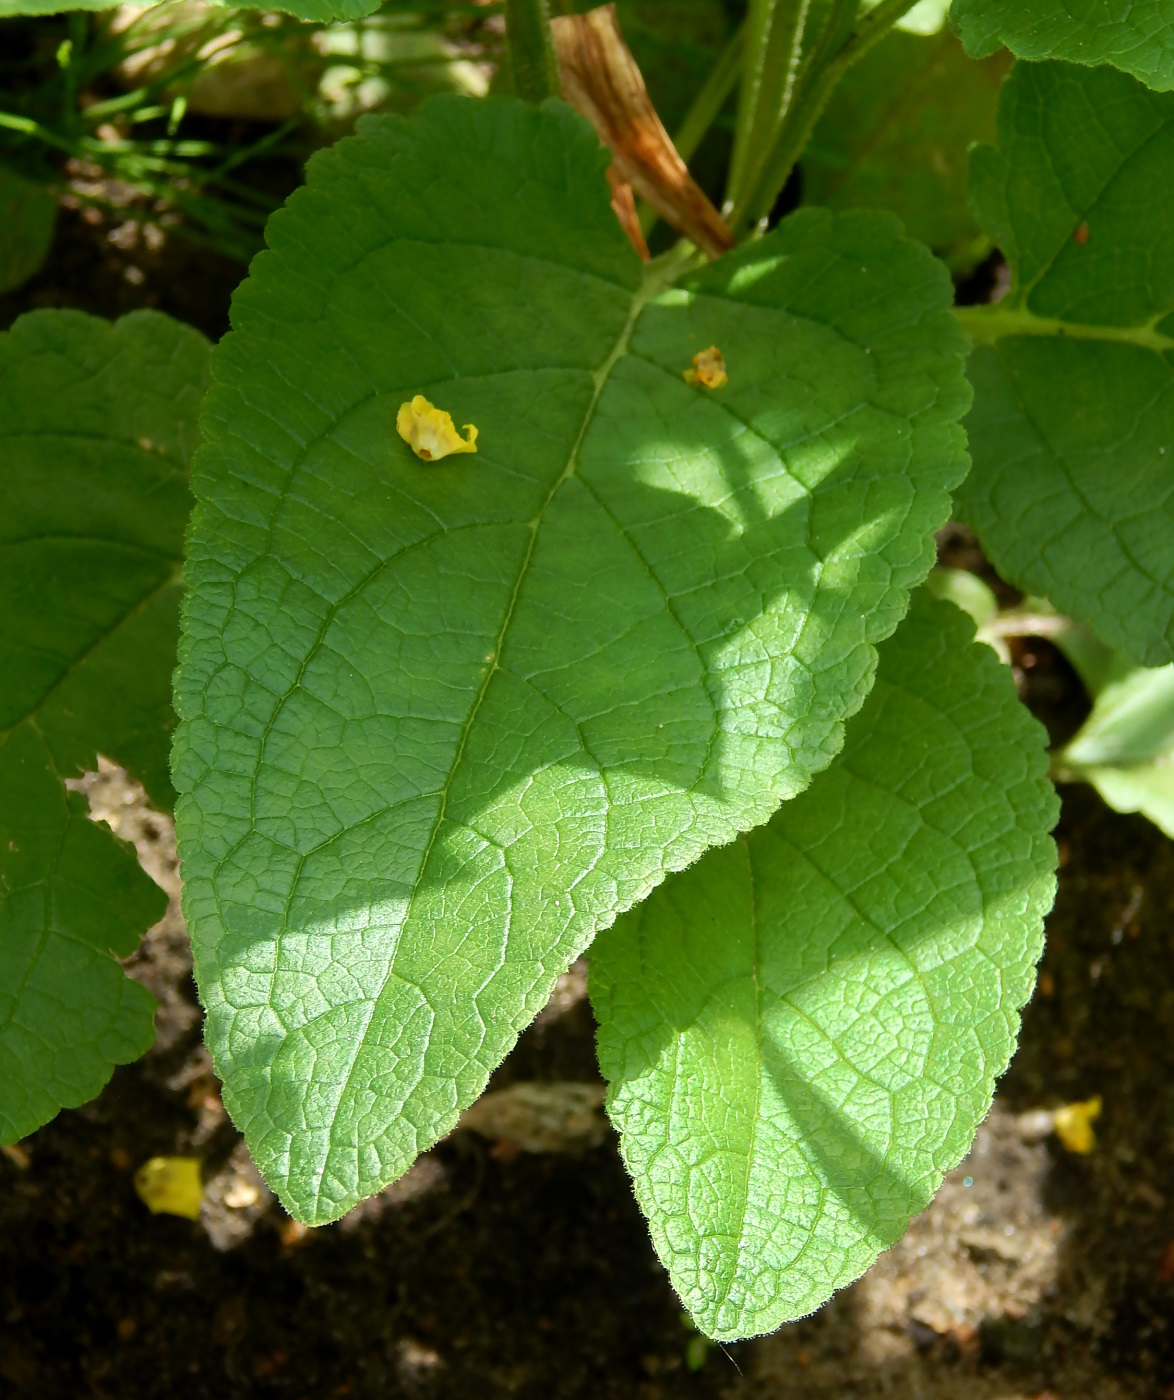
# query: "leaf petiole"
[985,324]
[710,100]
[771,61]
[832,54]
[532,58]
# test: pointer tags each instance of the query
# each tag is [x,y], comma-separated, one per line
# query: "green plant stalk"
[12,121]
[822,71]
[703,113]
[772,53]
[532,59]
[712,97]
[986,324]
[835,29]
[244,154]
[71,75]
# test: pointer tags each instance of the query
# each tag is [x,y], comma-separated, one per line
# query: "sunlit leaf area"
[586,720]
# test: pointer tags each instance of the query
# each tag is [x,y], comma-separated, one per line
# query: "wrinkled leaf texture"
[803,1031]
[1136,36]
[97,424]
[1072,430]
[441,722]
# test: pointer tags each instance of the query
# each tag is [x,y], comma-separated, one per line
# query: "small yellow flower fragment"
[709,369]
[171,1186]
[1073,1125]
[429,431]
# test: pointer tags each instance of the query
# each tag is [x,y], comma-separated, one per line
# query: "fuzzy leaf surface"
[897,132]
[97,423]
[1072,430]
[802,1032]
[442,721]
[1136,36]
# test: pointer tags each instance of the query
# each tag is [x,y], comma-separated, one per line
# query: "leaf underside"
[1134,35]
[441,722]
[802,1032]
[96,425]
[1125,748]
[1072,430]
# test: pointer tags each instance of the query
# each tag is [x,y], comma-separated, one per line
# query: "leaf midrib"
[655,281]
[986,324]
[648,289]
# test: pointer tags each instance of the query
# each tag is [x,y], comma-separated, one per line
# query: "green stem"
[78,35]
[814,64]
[829,59]
[986,324]
[11,121]
[771,58]
[712,97]
[532,58]
[259,147]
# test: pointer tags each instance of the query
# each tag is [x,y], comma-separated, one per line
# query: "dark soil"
[490,1272]
[87,271]
[527,1277]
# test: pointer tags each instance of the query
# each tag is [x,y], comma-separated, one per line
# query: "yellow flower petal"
[171,1186]
[709,369]
[1073,1125]
[429,431]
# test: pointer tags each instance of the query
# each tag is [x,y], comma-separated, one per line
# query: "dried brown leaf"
[601,79]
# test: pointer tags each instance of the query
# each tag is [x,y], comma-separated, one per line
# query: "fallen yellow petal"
[709,369]
[429,431]
[171,1186]
[1073,1125]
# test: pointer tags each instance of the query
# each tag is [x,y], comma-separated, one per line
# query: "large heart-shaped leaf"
[803,1031]
[1134,35]
[96,425]
[442,721]
[1072,431]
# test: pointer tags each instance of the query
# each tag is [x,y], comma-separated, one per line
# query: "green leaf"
[96,425]
[1126,746]
[27,215]
[442,721]
[1072,431]
[1134,35]
[803,1031]
[966,591]
[926,16]
[896,135]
